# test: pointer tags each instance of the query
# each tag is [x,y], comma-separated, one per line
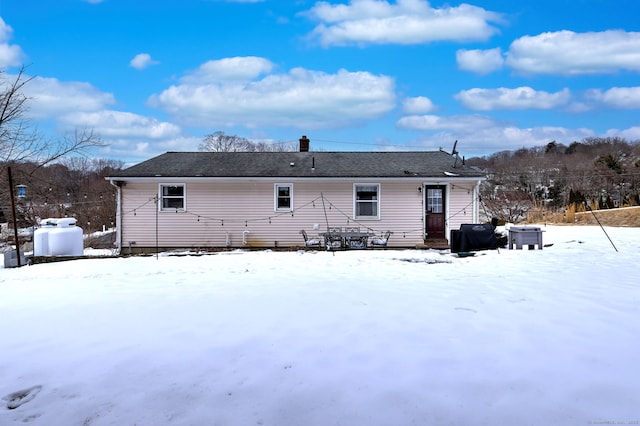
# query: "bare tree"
[73,187]
[602,171]
[13,102]
[21,145]
[220,142]
[21,142]
[508,205]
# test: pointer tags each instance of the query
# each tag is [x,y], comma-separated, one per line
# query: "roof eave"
[289,178]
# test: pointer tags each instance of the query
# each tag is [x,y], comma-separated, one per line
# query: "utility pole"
[15,221]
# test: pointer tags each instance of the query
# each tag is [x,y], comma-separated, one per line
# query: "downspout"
[448,188]
[476,195]
[118,217]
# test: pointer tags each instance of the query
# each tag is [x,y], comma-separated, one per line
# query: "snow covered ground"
[391,337]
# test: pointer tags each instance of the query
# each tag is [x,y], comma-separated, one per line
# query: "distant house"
[208,200]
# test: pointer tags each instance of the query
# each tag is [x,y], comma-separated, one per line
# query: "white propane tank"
[66,238]
[41,237]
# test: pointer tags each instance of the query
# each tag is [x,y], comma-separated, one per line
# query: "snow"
[378,337]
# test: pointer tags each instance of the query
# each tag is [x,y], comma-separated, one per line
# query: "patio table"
[350,239]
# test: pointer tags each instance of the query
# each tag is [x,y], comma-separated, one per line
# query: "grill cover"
[473,237]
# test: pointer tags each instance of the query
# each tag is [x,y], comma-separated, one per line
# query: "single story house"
[210,200]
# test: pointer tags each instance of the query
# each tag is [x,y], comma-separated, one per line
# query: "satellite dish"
[454,152]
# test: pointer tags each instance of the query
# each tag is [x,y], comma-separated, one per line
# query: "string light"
[269,219]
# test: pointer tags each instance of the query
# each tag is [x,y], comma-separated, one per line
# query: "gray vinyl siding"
[217,212]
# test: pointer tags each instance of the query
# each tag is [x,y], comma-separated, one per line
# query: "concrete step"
[437,244]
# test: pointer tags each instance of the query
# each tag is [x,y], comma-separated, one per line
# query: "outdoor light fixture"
[22,191]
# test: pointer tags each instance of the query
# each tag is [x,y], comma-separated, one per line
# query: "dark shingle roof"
[301,165]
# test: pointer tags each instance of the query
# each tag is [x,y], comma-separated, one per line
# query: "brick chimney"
[304,144]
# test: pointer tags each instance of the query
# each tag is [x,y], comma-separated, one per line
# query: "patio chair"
[382,241]
[333,239]
[310,242]
[354,239]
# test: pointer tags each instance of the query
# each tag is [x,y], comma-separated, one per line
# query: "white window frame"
[162,197]
[276,188]
[356,201]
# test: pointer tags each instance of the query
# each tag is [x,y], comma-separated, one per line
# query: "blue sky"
[157,76]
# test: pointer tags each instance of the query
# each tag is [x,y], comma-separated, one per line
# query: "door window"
[434,200]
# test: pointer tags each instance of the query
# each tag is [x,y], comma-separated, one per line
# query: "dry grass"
[626,216]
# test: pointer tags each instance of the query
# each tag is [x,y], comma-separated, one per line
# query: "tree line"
[72,187]
[595,173]
[221,142]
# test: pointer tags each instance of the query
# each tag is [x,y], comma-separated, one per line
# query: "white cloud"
[405,22]
[142,61]
[77,105]
[578,107]
[479,135]
[301,99]
[617,97]
[52,98]
[135,149]
[570,53]
[480,61]
[10,55]
[510,99]
[418,105]
[117,124]
[6,32]
[239,68]
[435,122]
[632,133]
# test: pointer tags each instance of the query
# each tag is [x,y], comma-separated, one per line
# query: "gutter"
[156,179]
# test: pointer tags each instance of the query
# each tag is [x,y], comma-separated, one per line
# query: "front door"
[434,201]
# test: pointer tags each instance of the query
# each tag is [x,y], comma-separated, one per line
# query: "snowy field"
[388,337]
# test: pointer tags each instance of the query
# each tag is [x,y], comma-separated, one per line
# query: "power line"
[378,144]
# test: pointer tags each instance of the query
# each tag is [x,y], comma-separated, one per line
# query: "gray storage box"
[11,260]
[520,236]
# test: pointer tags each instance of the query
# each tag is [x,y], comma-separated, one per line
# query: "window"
[434,200]
[366,200]
[283,197]
[172,197]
